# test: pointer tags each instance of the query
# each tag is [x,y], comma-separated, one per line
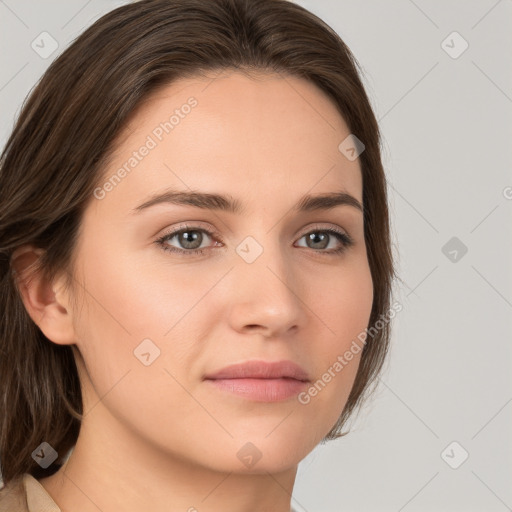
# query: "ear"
[46,304]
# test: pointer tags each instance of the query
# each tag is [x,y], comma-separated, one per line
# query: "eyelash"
[344,238]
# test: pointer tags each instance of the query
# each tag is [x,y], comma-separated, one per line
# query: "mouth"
[261,381]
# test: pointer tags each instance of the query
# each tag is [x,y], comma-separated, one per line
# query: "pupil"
[190,237]
[315,238]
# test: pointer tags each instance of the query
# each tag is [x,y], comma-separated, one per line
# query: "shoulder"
[13,496]
[26,494]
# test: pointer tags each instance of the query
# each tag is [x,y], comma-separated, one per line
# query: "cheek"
[344,307]
[132,299]
[343,304]
[127,303]
[125,317]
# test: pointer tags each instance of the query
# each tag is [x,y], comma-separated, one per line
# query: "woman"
[194,254]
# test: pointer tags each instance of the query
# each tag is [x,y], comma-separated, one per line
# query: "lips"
[260,381]
[261,370]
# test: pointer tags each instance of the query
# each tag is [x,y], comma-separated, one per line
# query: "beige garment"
[26,494]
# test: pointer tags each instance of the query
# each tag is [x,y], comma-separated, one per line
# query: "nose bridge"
[268,293]
[264,255]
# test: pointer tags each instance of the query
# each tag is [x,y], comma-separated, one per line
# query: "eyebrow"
[227,203]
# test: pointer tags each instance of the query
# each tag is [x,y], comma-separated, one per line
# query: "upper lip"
[261,370]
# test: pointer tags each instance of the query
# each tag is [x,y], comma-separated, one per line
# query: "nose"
[266,296]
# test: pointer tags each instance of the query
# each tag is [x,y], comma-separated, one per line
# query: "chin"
[258,451]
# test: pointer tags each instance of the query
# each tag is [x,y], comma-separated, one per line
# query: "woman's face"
[268,285]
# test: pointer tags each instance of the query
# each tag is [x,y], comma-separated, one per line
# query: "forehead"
[260,136]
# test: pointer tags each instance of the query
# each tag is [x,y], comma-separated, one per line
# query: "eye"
[192,238]
[321,238]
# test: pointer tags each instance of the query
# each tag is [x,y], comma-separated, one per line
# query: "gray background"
[447,127]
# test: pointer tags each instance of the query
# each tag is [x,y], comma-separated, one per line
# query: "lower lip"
[261,390]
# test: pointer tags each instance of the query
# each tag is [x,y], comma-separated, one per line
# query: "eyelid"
[319,226]
[191,226]
[198,225]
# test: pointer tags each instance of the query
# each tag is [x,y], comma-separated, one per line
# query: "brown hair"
[65,134]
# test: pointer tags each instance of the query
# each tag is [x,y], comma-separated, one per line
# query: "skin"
[157,437]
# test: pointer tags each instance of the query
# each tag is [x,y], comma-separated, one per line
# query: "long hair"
[64,135]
